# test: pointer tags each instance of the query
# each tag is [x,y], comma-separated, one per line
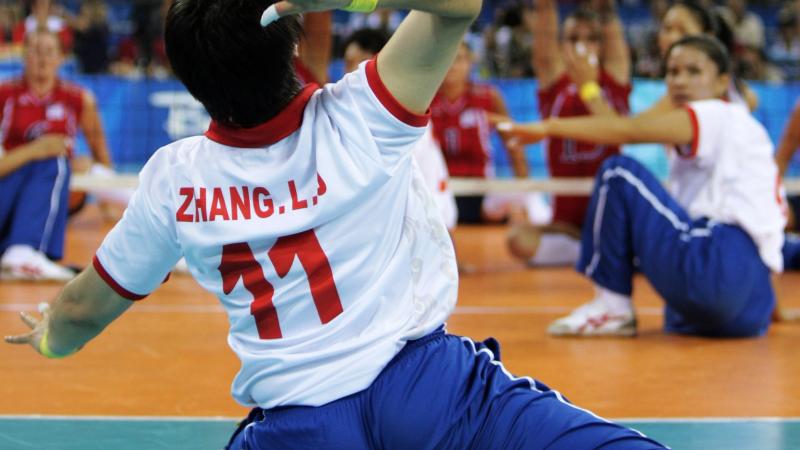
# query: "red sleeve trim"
[388,101]
[695,134]
[112,283]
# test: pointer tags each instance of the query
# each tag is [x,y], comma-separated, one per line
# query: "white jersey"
[314,230]
[431,162]
[728,175]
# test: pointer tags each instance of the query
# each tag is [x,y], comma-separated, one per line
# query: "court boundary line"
[87,418]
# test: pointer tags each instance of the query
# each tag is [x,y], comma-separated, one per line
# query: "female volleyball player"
[302,211]
[710,245]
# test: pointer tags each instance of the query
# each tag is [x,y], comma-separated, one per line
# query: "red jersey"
[463,131]
[25,116]
[568,158]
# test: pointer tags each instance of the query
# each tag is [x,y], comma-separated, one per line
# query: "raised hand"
[287,8]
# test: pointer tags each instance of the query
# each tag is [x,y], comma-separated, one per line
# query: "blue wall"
[142,115]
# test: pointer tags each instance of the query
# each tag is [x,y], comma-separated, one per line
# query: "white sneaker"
[595,319]
[26,264]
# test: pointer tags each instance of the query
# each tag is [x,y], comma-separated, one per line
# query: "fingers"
[20,338]
[278,10]
[29,319]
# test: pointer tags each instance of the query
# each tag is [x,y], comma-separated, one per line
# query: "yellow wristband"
[589,91]
[363,6]
[44,348]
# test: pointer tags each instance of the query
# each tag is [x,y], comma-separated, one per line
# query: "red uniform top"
[463,131]
[304,74]
[568,158]
[25,116]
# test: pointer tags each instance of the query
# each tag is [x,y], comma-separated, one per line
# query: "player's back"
[317,235]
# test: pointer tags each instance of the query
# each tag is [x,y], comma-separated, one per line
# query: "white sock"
[612,300]
[18,254]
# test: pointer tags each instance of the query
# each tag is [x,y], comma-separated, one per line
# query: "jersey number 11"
[238,262]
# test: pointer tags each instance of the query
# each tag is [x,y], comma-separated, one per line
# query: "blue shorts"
[440,392]
[33,206]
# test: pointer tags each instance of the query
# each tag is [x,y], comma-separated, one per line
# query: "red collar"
[269,132]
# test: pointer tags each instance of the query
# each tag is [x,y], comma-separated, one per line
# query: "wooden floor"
[168,355]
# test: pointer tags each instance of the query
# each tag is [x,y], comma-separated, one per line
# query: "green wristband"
[44,348]
[363,6]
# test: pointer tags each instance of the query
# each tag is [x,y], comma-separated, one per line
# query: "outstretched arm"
[80,312]
[673,127]
[545,58]
[414,62]
[790,141]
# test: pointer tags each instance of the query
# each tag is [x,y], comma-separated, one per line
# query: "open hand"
[37,326]
[522,133]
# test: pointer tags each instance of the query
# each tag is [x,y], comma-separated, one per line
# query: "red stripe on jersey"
[285,123]
[695,134]
[388,101]
[113,283]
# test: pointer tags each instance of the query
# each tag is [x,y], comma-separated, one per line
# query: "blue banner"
[140,116]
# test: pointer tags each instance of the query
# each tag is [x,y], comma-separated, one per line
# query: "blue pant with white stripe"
[710,275]
[440,392]
[33,206]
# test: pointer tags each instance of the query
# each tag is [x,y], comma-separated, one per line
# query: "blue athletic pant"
[440,392]
[33,206]
[710,275]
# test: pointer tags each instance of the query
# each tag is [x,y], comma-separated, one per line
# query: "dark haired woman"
[708,246]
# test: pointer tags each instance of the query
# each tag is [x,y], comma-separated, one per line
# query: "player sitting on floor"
[710,245]
[41,110]
[302,211]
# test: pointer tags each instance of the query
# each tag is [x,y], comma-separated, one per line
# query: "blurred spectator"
[92,37]
[748,29]
[508,45]
[143,53]
[44,14]
[643,38]
[752,64]
[785,51]
[9,16]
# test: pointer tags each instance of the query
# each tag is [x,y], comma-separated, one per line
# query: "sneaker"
[31,265]
[595,319]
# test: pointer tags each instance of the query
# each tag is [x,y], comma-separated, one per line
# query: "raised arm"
[672,127]
[414,62]
[616,53]
[80,312]
[545,58]
[315,46]
[790,141]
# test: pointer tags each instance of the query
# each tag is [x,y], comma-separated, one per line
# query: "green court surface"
[95,433]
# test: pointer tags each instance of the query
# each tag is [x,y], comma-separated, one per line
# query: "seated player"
[709,246]
[583,70]
[460,116]
[34,201]
[363,45]
[302,211]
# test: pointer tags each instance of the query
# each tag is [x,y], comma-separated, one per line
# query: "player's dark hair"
[241,72]
[369,39]
[709,45]
[583,14]
[707,20]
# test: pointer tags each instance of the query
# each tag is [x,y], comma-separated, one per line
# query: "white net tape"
[459,186]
